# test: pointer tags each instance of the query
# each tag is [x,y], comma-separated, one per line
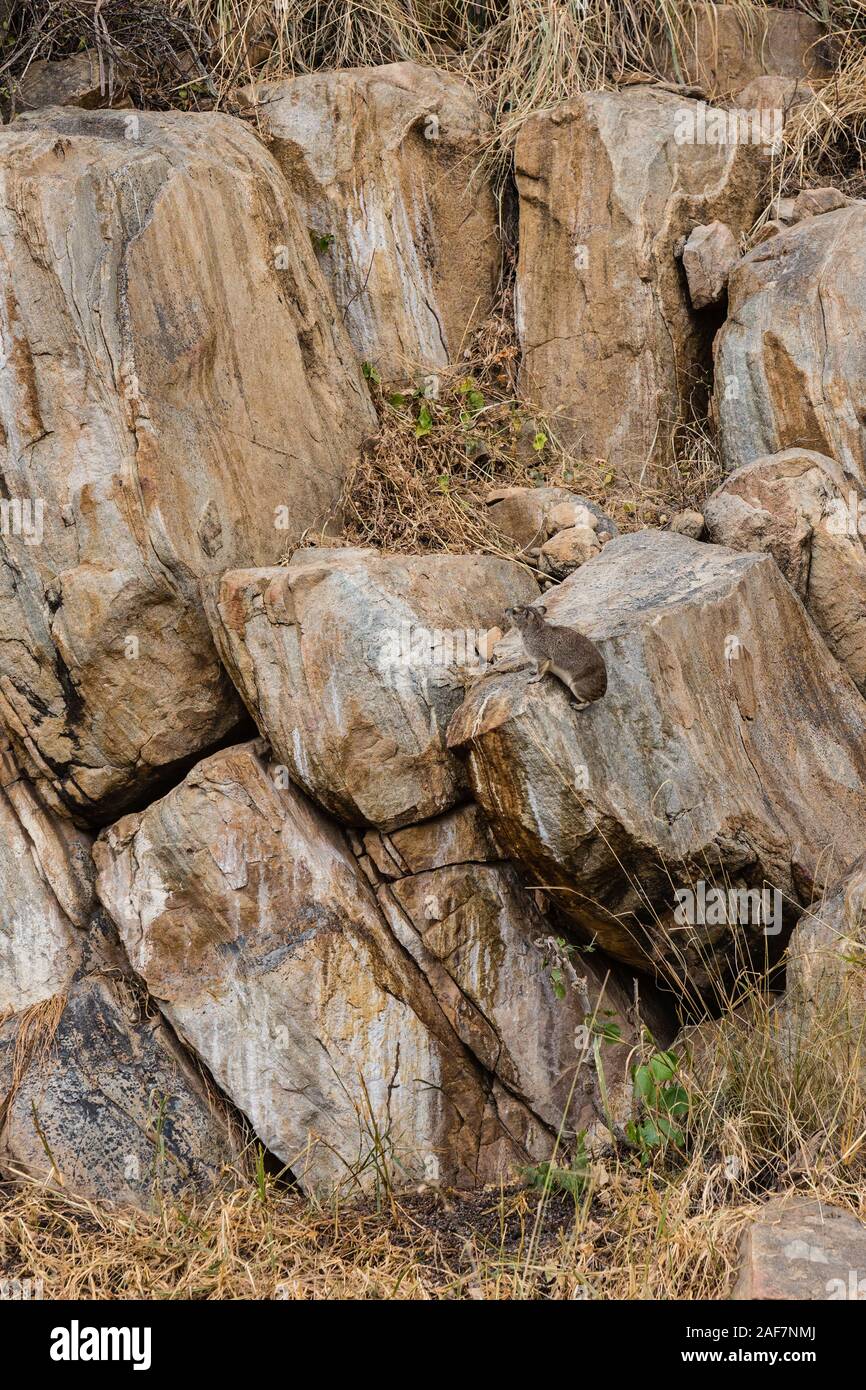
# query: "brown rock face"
[352,663]
[492,962]
[108,1106]
[728,749]
[721,51]
[75,81]
[788,369]
[609,183]
[46,892]
[381,161]
[799,507]
[800,1249]
[709,256]
[245,913]
[177,400]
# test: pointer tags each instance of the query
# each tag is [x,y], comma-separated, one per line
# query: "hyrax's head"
[527,616]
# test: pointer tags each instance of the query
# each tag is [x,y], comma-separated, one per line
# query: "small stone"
[569,549]
[485,644]
[688,523]
[567,514]
[814,201]
[769,229]
[708,257]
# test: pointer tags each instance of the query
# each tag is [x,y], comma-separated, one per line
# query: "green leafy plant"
[551,1177]
[322,241]
[371,373]
[662,1104]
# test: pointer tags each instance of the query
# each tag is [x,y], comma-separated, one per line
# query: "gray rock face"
[46,892]
[246,915]
[491,959]
[727,749]
[788,370]
[383,164]
[799,507]
[176,400]
[709,256]
[108,1104]
[723,47]
[609,183]
[800,1249]
[352,663]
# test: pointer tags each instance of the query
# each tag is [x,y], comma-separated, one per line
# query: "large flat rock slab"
[383,162]
[728,749]
[103,1101]
[177,399]
[352,663]
[609,185]
[247,916]
[788,366]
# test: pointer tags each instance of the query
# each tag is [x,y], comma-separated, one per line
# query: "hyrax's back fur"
[562,651]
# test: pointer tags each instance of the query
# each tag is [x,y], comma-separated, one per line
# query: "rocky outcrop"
[46,891]
[383,163]
[352,663]
[727,750]
[788,371]
[527,1005]
[721,47]
[797,1248]
[246,915]
[610,184]
[798,507]
[176,400]
[103,1102]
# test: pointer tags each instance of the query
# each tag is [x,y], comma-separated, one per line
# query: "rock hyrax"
[563,652]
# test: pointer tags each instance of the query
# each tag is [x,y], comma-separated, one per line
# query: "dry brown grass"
[774,1108]
[446,439]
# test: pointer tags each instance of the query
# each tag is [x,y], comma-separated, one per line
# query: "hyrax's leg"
[541,670]
[578,701]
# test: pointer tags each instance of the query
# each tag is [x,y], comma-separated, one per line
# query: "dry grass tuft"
[446,439]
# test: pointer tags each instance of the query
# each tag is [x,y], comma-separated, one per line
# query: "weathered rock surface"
[788,368]
[489,956]
[245,913]
[798,1248]
[609,184]
[175,392]
[108,1104]
[798,507]
[773,93]
[721,51]
[78,80]
[812,202]
[381,161]
[728,748]
[352,663]
[46,892]
[825,992]
[709,256]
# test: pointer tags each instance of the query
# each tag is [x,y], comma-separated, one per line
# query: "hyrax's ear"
[540,608]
